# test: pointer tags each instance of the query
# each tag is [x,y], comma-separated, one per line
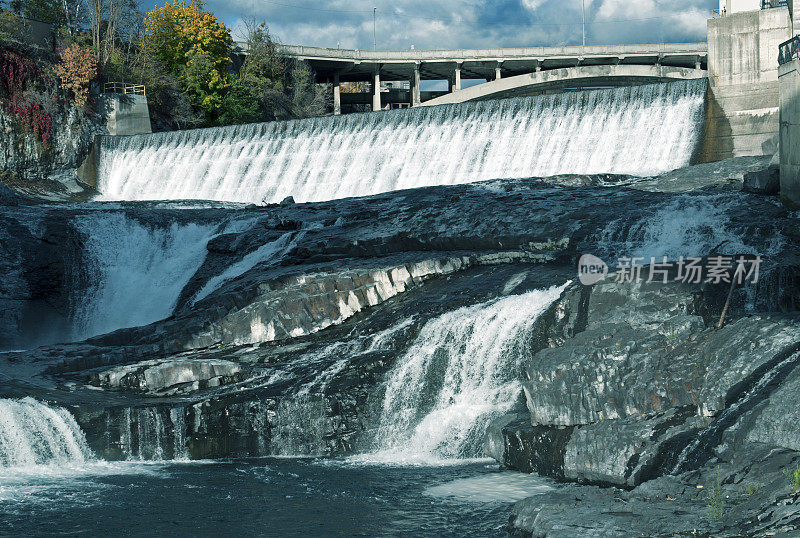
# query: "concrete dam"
[640,130]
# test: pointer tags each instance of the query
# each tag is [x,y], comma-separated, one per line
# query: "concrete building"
[742,103]
[794,13]
[125,114]
[737,6]
[789,84]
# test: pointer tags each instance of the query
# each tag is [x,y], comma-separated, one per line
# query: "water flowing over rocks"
[427,325]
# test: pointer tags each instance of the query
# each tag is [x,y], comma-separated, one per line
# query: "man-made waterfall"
[462,370]
[33,433]
[136,273]
[641,130]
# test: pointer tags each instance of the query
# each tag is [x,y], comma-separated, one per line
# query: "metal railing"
[769,4]
[789,50]
[121,87]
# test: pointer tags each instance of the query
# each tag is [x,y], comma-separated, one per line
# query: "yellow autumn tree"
[195,47]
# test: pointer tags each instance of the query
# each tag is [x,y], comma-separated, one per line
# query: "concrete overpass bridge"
[507,71]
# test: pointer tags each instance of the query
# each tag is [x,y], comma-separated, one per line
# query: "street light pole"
[583,3]
[374,46]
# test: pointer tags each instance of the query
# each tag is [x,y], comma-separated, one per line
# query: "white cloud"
[472,23]
[533,4]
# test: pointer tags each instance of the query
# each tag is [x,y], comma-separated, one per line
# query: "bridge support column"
[416,97]
[337,95]
[376,91]
[497,74]
[457,79]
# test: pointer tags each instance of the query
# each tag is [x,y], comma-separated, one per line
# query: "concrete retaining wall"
[125,114]
[790,131]
[742,103]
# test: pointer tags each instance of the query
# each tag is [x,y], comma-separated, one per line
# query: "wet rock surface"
[281,341]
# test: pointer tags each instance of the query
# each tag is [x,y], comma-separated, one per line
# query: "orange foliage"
[76,69]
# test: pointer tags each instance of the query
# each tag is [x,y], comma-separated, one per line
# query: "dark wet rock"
[777,421]
[767,181]
[752,492]
[721,175]
[634,374]
[289,200]
[277,359]
[7,195]
[48,172]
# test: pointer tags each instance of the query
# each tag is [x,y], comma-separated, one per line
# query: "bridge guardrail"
[789,50]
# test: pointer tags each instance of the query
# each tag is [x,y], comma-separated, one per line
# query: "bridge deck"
[360,65]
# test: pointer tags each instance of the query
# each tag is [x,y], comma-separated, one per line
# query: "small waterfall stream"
[150,433]
[639,130]
[33,433]
[463,369]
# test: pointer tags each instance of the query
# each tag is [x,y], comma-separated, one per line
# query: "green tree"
[51,11]
[195,48]
[239,105]
[270,87]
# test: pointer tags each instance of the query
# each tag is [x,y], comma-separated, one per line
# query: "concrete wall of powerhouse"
[790,132]
[742,101]
[736,6]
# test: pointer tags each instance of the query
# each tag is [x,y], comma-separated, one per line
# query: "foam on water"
[506,487]
[462,370]
[639,130]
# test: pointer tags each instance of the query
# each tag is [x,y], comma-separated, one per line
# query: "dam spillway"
[641,130]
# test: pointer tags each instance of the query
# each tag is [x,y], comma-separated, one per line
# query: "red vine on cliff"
[17,73]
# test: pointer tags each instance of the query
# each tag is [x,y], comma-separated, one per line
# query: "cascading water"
[462,370]
[150,433]
[136,272]
[301,421]
[689,226]
[33,433]
[640,130]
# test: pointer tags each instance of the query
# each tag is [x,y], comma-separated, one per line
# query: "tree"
[76,69]
[44,10]
[194,47]
[110,20]
[269,87]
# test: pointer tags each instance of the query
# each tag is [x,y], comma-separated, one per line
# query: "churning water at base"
[33,434]
[640,130]
[462,370]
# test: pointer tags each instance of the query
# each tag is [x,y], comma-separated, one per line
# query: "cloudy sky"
[427,24]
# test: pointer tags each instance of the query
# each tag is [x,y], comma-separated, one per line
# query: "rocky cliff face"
[275,330]
[32,169]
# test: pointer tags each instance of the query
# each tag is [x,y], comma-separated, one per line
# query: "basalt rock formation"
[342,328]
